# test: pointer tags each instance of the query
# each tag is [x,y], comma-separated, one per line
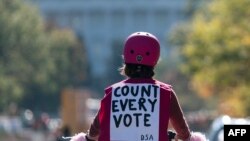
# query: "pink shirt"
[138,110]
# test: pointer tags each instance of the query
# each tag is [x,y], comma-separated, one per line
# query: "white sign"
[135,112]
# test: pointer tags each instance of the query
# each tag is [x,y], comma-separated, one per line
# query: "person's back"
[139,110]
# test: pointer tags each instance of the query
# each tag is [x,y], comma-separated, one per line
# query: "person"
[139,108]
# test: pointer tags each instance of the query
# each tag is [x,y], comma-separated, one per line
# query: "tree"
[67,69]
[216,53]
[168,70]
[36,60]
[18,46]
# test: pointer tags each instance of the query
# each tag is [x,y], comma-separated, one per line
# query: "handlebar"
[64,139]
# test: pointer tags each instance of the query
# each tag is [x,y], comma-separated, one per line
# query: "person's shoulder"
[164,85]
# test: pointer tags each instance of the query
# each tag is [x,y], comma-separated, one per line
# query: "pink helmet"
[141,48]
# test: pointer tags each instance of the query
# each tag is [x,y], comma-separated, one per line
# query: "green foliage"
[168,69]
[216,53]
[36,60]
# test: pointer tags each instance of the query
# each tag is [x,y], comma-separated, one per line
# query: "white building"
[101,22]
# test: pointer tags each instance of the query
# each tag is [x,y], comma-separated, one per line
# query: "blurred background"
[57,56]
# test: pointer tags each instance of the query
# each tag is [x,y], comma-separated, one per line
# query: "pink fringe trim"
[197,136]
[79,137]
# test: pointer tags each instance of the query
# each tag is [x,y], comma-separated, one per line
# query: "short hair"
[137,71]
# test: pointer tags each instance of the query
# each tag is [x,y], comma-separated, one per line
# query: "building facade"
[102,23]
